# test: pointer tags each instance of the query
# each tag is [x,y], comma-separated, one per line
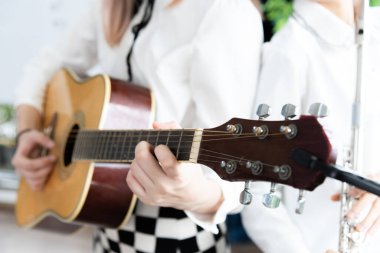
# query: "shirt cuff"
[231,192]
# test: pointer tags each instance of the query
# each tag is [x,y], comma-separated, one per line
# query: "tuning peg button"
[271,199]
[318,110]
[246,195]
[301,202]
[288,111]
[263,111]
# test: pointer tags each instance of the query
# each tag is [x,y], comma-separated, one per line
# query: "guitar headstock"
[260,150]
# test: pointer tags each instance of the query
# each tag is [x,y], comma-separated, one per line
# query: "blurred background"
[25,27]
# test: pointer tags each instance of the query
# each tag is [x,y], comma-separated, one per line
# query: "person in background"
[313,58]
[201,60]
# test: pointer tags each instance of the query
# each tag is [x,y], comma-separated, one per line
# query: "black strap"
[136,30]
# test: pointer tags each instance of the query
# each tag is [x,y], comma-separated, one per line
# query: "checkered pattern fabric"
[160,230]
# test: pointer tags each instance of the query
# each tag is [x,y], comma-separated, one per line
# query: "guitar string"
[222,136]
[202,156]
[226,136]
[221,156]
[105,131]
[218,155]
[87,145]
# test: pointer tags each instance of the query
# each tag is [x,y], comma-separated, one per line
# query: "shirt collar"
[323,23]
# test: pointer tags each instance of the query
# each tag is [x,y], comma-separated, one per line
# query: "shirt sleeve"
[224,71]
[75,50]
[231,192]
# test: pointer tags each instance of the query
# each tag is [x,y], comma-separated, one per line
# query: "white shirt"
[200,59]
[313,59]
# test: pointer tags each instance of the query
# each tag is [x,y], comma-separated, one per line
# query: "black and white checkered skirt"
[160,230]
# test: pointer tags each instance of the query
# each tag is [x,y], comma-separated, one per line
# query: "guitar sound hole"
[70,144]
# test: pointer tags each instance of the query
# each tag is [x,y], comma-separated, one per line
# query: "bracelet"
[18,135]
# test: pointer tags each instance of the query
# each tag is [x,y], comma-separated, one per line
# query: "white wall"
[25,26]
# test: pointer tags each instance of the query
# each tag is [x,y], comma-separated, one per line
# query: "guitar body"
[83,191]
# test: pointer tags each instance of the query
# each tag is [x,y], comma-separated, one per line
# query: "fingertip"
[335,197]
[156,125]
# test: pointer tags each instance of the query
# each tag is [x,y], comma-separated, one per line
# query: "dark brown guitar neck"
[118,146]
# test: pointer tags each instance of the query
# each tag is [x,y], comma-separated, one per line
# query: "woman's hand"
[366,208]
[27,160]
[157,178]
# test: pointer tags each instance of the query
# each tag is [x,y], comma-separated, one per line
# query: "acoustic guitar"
[96,125]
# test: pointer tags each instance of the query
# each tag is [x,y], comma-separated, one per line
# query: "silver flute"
[349,239]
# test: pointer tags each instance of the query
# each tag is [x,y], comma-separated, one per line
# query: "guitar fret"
[96,138]
[111,148]
[80,146]
[105,145]
[167,139]
[130,145]
[120,145]
[147,136]
[179,144]
[77,144]
[123,154]
[157,137]
[117,146]
[101,146]
[92,144]
[85,146]
[114,145]
[89,139]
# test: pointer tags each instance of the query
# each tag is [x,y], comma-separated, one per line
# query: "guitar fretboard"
[119,145]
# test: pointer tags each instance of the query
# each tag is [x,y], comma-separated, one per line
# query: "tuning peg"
[301,202]
[318,110]
[246,195]
[271,199]
[288,111]
[263,111]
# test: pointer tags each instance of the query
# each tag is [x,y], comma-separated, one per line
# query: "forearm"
[28,117]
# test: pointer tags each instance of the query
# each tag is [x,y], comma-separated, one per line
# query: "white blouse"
[200,59]
[313,59]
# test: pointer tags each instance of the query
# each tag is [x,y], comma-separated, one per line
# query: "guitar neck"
[118,146]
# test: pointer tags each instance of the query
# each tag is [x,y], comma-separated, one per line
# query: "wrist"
[207,198]
[20,133]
